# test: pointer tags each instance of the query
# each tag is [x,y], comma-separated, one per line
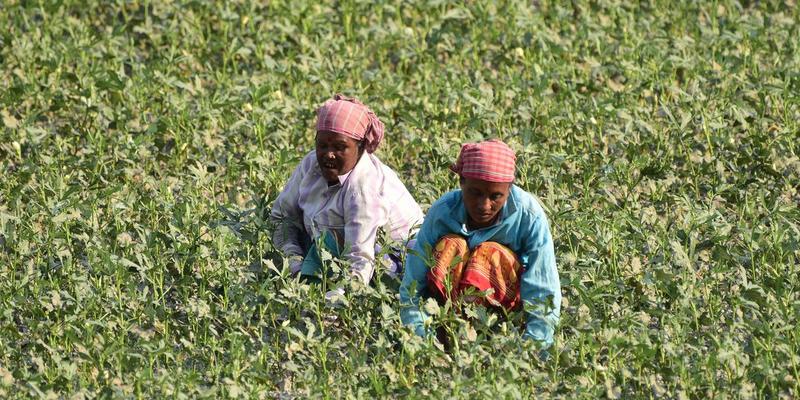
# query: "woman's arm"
[364,213]
[415,276]
[287,217]
[540,289]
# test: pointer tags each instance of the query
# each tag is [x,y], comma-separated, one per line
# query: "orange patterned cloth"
[489,266]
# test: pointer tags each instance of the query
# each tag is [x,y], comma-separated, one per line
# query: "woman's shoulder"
[367,168]
[309,161]
[532,216]
[305,168]
[527,203]
[392,180]
[386,172]
[446,203]
[306,164]
[371,173]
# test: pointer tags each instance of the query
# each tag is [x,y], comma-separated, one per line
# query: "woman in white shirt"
[340,195]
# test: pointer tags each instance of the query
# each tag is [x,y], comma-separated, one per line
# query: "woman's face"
[483,201]
[337,154]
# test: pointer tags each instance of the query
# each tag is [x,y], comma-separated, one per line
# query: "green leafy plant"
[142,143]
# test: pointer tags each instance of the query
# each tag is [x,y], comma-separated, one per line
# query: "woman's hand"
[335,297]
[295,264]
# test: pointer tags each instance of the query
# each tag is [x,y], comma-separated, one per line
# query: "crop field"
[143,142]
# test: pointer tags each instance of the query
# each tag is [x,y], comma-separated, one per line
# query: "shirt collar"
[343,178]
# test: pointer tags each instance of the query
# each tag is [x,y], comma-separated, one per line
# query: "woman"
[491,236]
[341,194]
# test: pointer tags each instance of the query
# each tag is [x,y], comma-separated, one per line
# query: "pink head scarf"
[491,161]
[351,118]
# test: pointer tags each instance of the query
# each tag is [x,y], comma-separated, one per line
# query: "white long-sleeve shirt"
[368,197]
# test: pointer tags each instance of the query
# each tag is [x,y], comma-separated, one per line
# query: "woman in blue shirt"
[490,234]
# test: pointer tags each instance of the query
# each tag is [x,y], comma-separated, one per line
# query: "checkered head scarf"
[491,161]
[351,118]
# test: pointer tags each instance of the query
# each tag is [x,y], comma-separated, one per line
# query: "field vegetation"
[142,143]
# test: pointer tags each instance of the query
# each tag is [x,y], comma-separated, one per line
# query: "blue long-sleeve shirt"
[522,226]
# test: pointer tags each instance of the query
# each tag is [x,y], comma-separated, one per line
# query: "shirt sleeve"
[540,289]
[287,217]
[363,215]
[415,278]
